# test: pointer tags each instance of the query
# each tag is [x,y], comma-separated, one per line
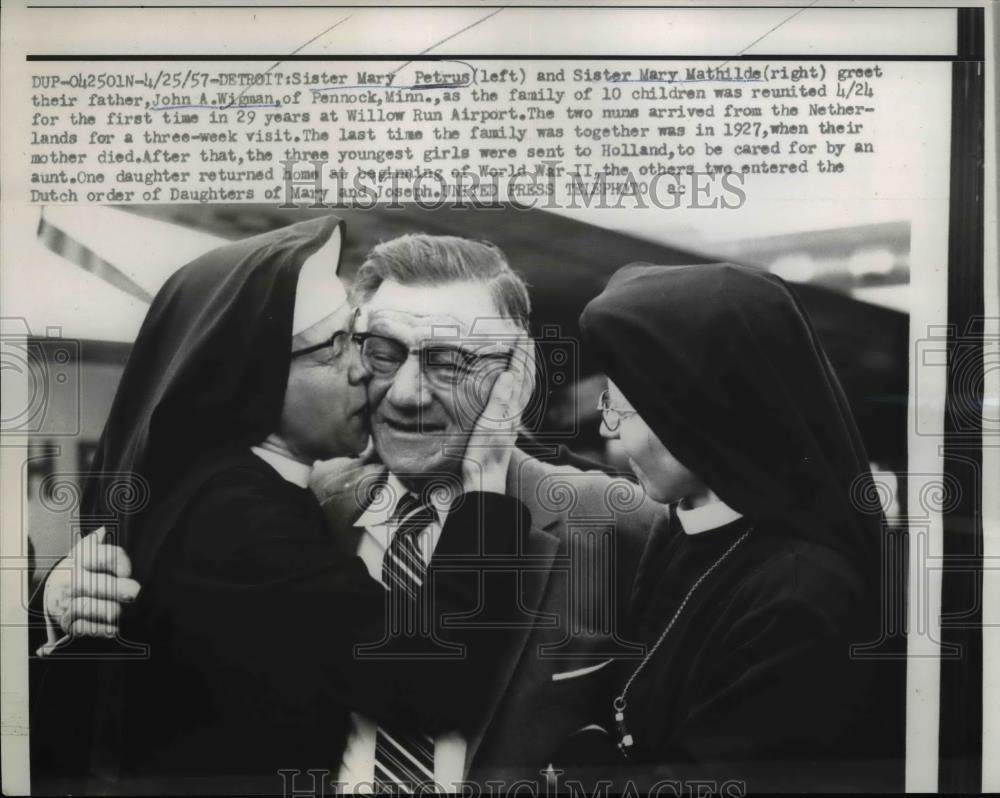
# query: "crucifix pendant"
[625,741]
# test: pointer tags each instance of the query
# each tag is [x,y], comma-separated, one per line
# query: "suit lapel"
[541,547]
[345,494]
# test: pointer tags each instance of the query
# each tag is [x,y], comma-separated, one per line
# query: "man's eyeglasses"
[613,416]
[336,342]
[443,366]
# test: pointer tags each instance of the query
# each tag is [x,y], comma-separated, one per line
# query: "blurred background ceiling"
[852,280]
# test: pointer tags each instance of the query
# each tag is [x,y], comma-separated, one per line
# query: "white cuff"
[59,576]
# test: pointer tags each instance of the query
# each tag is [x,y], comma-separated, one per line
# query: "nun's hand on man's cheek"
[494,436]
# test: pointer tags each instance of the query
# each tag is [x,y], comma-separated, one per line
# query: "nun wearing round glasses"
[752,592]
[243,376]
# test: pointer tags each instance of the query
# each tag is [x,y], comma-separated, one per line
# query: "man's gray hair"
[418,259]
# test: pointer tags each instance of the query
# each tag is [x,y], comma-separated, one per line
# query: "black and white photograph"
[493,400]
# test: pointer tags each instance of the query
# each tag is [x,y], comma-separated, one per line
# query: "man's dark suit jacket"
[574,576]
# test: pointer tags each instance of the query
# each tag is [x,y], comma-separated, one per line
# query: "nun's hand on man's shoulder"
[494,436]
[85,592]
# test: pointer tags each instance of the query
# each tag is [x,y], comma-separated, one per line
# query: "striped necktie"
[403,567]
[404,757]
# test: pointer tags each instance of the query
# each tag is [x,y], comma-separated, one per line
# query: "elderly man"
[438,318]
[435,313]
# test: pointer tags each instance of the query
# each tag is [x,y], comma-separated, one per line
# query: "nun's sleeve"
[259,585]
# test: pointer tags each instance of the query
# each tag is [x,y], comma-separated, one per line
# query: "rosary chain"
[619,702]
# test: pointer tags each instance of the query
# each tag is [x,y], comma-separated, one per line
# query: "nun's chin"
[349,437]
[360,440]
[653,491]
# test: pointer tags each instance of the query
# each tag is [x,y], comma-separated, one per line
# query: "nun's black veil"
[208,371]
[207,375]
[723,364]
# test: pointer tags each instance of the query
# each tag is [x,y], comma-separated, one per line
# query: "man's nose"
[409,389]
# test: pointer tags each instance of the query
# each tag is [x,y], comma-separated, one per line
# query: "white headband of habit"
[319,291]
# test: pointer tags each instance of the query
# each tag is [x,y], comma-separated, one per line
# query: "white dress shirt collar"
[291,470]
[706,517]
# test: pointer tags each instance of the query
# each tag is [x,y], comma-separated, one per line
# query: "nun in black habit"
[250,609]
[754,588]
